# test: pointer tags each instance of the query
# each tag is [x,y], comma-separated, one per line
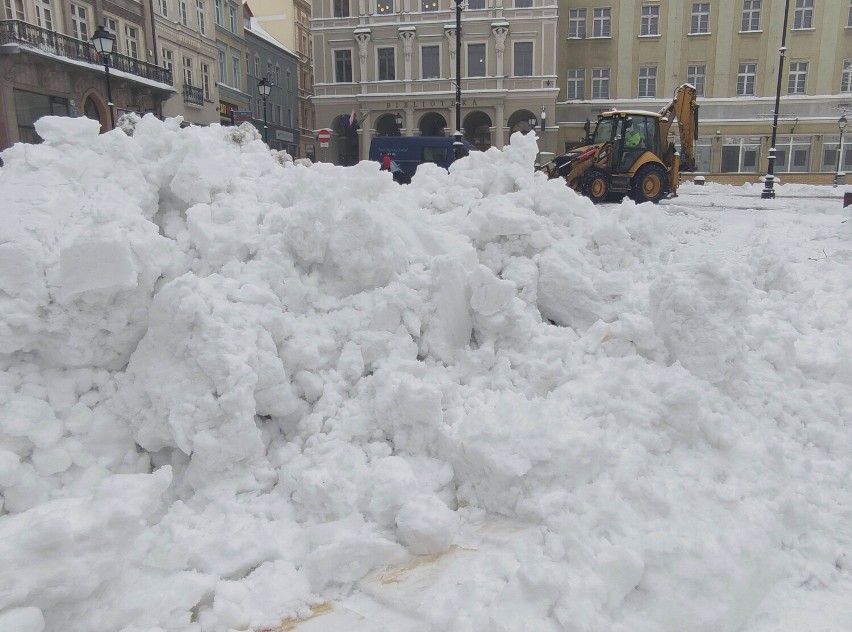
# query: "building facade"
[232,61]
[277,115]
[379,61]
[633,54]
[289,22]
[49,65]
[186,45]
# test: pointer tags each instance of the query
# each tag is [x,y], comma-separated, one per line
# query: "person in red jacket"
[386,162]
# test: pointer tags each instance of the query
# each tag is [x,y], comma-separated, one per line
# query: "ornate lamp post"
[398,121]
[841,175]
[104,43]
[264,88]
[768,192]
[543,118]
[458,147]
[532,122]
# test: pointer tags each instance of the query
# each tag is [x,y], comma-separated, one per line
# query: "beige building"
[186,45]
[49,65]
[389,60]
[634,53]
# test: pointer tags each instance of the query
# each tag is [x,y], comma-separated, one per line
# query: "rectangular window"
[79,22]
[846,76]
[740,155]
[600,83]
[849,19]
[647,81]
[650,20]
[575,85]
[44,14]
[235,60]
[232,15]
[341,8]
[792,153]
[15,10]
[169,61]
[576,24]
[31,106]
[751,15]
[278,113]
[429,5]
[476,4]
[695,74]
[522,63]
[803,14]
[220,12]
[131,41]
[476,60]
[248,64]
[700,18]
[201,16]
[205,81]
[184,13]
[430,62]
[387,64]
[523,4]
[745,79]
[602,22]
[703,155]
[829,155]
[343,66]
[164,8]
[384,7]
[187,71]
[797,77]
[223,68]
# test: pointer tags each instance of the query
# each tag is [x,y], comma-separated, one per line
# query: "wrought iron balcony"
[193,95]
[26,34]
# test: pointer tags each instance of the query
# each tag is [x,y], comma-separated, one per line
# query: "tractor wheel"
[596,185]
[649,183]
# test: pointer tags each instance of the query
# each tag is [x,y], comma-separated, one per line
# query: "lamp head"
[841,123]
[398,119]
[264,87]
[103,41]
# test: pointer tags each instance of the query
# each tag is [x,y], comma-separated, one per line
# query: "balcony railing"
[19,32]
[193,95]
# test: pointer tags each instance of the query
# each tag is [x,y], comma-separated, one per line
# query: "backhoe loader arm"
[683,108]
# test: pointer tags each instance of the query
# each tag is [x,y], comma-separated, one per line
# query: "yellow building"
[634,53]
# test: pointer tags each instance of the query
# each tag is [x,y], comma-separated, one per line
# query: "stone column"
[498,126]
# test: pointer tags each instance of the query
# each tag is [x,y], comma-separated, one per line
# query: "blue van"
[411,151]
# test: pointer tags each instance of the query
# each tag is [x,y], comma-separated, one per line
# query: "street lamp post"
[543,118]
[104,43]
[841,175]
[458,148]
[768,192]
[264,88]
[532,122]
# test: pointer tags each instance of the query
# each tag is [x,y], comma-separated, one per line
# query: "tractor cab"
[631,133]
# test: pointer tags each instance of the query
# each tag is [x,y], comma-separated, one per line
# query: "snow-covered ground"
[238,393]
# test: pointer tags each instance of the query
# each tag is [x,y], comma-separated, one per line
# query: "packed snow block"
[567,294]
[700,311]
[426,525]
[449,327]
[106,266]
[20,273]
[79,132]
[27,619]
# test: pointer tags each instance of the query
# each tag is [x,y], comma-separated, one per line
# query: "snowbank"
[233,386]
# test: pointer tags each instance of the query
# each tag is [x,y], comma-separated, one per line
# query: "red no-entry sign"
[324,136]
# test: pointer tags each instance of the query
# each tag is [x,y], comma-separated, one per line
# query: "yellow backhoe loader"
[629,153]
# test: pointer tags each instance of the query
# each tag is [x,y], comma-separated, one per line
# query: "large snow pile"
[233,385]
